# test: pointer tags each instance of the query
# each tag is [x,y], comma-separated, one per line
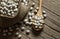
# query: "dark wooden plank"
[52,5]
[55,18]
[51,32]
[52,26]
[45,36]
[51,15]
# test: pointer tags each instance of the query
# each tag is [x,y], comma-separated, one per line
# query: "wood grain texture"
[52,22]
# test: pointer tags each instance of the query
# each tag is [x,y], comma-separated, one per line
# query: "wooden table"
[52,22]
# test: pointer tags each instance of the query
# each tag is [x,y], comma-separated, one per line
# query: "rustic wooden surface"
[52,22]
